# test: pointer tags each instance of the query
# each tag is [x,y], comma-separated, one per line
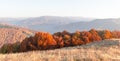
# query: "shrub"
[28,44]
[10,48]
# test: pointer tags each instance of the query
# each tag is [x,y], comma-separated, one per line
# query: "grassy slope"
[12,34]
[96,51]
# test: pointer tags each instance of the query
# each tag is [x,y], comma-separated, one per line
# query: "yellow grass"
[108,50]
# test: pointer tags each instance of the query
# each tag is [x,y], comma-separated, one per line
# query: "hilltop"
[12,34]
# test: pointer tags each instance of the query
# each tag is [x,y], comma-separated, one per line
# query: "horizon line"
[62,16]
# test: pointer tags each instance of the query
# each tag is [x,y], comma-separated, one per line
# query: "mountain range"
[55,23]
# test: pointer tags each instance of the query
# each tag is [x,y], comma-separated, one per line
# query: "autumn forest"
[46,41]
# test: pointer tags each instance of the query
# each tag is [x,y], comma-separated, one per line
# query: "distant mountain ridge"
[48,23]
[55,23]
[44,23]
[111,24]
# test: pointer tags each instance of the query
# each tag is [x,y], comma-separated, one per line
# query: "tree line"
[46,41]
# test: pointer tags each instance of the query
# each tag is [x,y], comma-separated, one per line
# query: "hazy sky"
[84,8]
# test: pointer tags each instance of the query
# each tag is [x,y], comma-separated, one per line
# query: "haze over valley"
[55,23]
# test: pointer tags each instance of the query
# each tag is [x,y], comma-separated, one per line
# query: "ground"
[106,50]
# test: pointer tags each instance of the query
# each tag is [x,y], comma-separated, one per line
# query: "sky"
[76,8]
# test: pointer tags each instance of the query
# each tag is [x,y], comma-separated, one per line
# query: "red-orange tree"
[105,34]
[40,41]
[86,36]
[95,36]
[76,38]
[116,34]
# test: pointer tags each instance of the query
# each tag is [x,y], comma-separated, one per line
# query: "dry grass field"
[107,50]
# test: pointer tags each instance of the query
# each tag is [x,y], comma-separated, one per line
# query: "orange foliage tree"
[59,39]
[107,34]
[95,36]
[64,38]
[86,36]
[40,41]
[44,40]
[76,38]
[116,34]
